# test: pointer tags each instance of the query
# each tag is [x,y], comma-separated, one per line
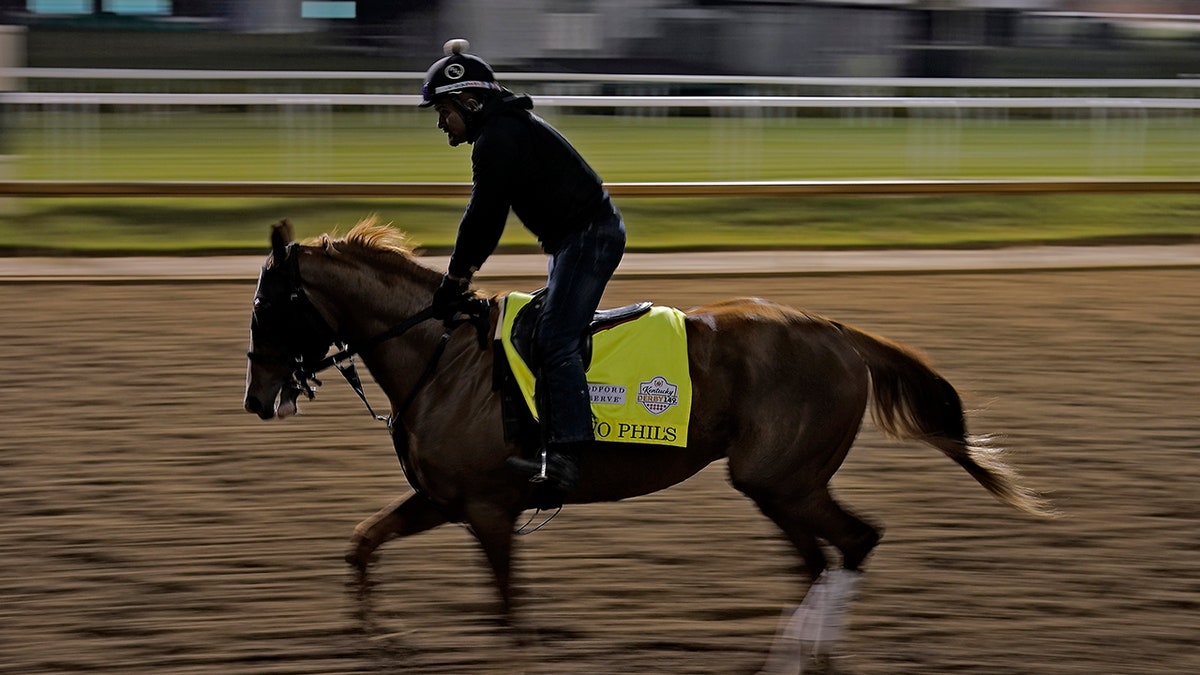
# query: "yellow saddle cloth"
[639,379]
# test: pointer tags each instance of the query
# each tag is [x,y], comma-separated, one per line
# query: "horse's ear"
[282,234]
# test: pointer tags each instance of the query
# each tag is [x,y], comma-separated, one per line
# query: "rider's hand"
[450,296]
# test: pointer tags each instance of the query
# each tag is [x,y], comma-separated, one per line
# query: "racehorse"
[811,378]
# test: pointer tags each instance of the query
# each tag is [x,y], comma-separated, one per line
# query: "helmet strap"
[469,107]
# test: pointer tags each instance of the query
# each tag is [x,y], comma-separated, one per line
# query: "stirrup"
[540,476]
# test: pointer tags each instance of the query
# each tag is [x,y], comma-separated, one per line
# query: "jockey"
[520,162]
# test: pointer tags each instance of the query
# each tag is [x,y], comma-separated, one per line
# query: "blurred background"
[913,38]
[649,90]
[151,526]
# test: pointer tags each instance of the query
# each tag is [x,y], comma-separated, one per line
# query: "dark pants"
[579,272]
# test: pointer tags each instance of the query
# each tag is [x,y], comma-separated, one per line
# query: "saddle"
[636,357]
[519,424]
[525,325]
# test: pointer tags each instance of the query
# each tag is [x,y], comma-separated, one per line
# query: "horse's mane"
[379,244]
[368,235]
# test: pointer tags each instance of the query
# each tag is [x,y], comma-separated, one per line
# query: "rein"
[304,375]
[350,372]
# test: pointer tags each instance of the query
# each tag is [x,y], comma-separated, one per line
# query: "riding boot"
[558,466]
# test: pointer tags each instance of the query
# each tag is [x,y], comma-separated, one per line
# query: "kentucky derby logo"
[658,395]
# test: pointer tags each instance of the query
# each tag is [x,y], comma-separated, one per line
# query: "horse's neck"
[361,302]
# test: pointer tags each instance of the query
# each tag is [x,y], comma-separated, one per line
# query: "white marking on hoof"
[816,625]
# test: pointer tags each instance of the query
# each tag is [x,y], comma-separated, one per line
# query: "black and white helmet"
[457,72]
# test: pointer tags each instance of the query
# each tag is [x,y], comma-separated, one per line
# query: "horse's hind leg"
[811,633]
[796,497]
[410,514]
[798,533]
[853,537]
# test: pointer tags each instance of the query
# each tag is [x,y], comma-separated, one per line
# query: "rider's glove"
[450,296]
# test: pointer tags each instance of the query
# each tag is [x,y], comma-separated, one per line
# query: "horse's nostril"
[255,406]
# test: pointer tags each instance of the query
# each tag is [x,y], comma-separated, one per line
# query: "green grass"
[396,145]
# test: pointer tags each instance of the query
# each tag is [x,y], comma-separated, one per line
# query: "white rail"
[835,82]
[809,102]
[1119,116]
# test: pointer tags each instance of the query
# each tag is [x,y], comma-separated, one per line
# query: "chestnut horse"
[812,379]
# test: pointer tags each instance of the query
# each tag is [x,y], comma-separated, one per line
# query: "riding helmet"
[458,71]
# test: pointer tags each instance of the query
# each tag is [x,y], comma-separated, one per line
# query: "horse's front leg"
[410,514]
[492,526]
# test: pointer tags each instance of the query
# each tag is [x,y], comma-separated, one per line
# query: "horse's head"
[287,335]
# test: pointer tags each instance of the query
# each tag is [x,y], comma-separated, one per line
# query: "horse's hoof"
[361,553]
[821,664]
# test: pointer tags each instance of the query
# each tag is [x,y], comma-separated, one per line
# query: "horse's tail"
[911,401]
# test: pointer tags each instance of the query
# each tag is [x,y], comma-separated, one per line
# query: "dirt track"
[149,526]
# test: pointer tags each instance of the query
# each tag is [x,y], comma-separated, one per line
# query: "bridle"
[300,317]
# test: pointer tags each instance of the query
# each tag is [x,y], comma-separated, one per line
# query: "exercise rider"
[520,162]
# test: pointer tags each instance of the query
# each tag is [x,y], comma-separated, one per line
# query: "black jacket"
[521,162]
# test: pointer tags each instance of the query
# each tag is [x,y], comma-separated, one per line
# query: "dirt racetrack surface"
[150,526]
